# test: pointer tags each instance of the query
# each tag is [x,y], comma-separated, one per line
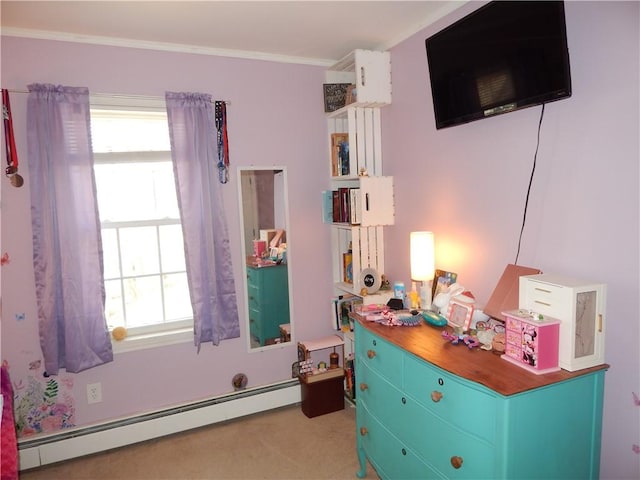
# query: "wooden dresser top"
[476,365]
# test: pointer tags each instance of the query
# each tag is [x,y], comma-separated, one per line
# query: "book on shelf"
[355,209]
[336,206]
[347,267]
[350,377]
[343,306]
[327,206]
[344,204]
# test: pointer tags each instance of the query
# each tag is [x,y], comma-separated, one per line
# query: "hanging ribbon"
[223,141]
[10,143]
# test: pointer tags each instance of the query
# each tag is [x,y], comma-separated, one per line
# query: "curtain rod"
[118,95]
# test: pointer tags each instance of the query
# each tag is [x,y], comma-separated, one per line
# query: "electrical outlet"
[94,393]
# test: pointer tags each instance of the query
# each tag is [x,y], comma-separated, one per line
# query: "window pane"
[139,250]
[172,248]
[113,304]
[143,301]
[176,297]
[127,131]
[110,253]
[136,191]
[144,267]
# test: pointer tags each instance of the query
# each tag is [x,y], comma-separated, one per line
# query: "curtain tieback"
[223,141]
[10,143]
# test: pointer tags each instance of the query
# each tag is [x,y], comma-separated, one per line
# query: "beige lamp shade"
[422,256]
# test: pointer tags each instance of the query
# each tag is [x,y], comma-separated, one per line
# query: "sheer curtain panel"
[67,247]
[192,130]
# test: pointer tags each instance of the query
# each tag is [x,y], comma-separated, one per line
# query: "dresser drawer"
[379,355]
[388,455]
[255,314]
[379,396]
[253,293]
[513,337]
[252,276]
[435,440]
[450,398]
[513,351]
[540,297]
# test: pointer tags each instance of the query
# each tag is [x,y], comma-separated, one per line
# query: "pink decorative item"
[259,247]
[532,341]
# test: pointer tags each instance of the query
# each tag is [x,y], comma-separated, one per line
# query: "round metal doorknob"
[436,396]
[456,461]
[363,431]
[371,353]
[363,387]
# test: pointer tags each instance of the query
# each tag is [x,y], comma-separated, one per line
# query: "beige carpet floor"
[281,444]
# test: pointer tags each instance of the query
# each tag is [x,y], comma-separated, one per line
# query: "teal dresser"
[268,292]
[429,409]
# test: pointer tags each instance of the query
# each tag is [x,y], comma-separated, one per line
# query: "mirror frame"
[245,293]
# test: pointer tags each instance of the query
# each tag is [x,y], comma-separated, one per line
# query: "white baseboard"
[82,441]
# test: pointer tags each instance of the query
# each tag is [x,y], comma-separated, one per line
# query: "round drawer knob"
[371,353]
[456,462]
[436,396]
[363,387]
[363,431]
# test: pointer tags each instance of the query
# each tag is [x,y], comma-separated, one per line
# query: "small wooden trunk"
[324,396]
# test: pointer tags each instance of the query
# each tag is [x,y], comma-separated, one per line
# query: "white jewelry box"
[580,307]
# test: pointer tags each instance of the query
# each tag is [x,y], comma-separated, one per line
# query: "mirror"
[265,218]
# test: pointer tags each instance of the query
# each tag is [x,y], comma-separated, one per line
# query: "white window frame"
[152,336]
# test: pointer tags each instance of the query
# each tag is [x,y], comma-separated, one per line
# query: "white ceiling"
[313,32]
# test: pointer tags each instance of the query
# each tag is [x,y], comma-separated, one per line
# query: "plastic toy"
[455,339]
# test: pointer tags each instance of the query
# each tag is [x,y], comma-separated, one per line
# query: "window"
[144,264]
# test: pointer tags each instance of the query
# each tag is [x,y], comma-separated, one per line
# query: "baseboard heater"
[82,441]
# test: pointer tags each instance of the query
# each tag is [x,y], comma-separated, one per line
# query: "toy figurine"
[454,338]
[414,298]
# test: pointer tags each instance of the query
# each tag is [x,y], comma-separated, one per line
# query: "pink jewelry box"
[531,341]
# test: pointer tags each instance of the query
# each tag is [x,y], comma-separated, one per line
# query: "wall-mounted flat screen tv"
[503,57]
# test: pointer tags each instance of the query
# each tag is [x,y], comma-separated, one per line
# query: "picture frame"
[459,315]
[334,96]
[338,142]
[441,281]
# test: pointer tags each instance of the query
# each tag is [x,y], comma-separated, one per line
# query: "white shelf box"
[365,142]
[371,201]
[369,71]
[367,251]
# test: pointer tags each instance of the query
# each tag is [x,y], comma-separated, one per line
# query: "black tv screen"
[503,57]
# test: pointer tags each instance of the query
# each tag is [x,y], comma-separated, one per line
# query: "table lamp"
[423,264]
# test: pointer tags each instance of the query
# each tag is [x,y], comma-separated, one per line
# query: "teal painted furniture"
[428,409]
[268,292]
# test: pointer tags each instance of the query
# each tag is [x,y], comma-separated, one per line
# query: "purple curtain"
[209,270]
[67,247]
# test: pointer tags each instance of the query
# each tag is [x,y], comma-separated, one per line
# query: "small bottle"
[414,297]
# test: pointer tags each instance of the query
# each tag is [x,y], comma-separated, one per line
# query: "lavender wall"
[275,118]
[468,184]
